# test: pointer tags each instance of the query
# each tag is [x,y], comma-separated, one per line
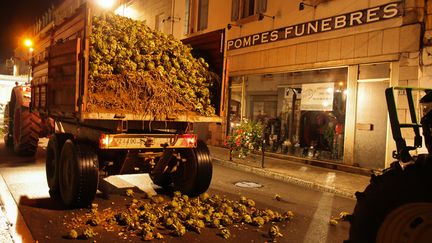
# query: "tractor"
[397,204]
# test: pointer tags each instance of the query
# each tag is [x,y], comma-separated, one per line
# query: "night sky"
[15,18]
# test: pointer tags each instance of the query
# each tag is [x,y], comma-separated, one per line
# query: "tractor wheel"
[194,172]
[408,223]
[79,174]
[26,129]
[8,139]
[55,145]
[396,190]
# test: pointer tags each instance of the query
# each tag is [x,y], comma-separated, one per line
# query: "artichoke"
[274,232]
[129,193]
[225,233]
[73,234]
[88,233]
[258,221]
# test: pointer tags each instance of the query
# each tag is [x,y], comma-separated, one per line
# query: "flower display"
[245,138]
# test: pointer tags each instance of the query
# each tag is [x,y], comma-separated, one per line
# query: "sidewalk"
[323,179]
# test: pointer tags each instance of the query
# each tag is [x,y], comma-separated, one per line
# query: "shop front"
[320,95]
[303,112]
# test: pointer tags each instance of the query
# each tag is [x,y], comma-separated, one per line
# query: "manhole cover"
[248,184]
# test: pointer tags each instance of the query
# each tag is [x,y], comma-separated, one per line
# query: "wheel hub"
[408,223]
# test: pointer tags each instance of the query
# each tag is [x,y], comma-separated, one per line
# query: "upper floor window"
[244,8]
[196,15]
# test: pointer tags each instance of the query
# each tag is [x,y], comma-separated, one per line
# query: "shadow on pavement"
[42,203]
[10,159]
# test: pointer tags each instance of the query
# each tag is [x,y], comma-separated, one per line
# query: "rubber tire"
[193,177]
[79,174]
[162,180]
[205,170]
[8,139]
[55,145]
[26,129]
[394,188]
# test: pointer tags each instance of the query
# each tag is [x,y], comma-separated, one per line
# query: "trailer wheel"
[193,176]
[394,189]
[55,145]
[205,170]
[79,174]
[26,129]
[162,180]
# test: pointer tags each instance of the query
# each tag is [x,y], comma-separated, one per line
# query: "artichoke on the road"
[144,217]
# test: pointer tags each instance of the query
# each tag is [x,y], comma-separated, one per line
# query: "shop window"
[235,103]
[242,9]
[303,112]
[196,15]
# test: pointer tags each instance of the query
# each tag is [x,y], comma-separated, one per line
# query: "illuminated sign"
[365,16]
[317,97]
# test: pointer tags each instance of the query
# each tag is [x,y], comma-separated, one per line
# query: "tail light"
[191,140]
[105,141]
[25,89]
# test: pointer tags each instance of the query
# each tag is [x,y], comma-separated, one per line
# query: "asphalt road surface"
[48,221]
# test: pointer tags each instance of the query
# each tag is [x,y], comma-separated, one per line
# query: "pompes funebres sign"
[365,16]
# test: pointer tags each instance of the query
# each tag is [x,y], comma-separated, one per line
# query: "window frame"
[196,16]
[241,12]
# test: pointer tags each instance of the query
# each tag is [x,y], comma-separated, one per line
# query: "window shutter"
[203,14]
[187,18]
[261,6]
[235,10]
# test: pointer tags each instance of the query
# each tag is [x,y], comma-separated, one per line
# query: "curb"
[18,227]
[283,177]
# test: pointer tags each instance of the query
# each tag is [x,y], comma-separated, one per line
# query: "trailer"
[86,145]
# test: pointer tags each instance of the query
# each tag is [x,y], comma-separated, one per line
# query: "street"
[48,221]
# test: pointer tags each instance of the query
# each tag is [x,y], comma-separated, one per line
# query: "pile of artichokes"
[158,217]
[121,46]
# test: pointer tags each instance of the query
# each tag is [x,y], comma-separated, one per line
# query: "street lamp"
[29,44]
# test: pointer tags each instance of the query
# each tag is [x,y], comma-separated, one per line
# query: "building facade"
[313,71]
[316,73]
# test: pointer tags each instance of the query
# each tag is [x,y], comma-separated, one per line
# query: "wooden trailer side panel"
[66,54]
[63,76]
[40,69]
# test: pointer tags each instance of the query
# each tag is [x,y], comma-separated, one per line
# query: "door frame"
[357,126]
[353,76]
